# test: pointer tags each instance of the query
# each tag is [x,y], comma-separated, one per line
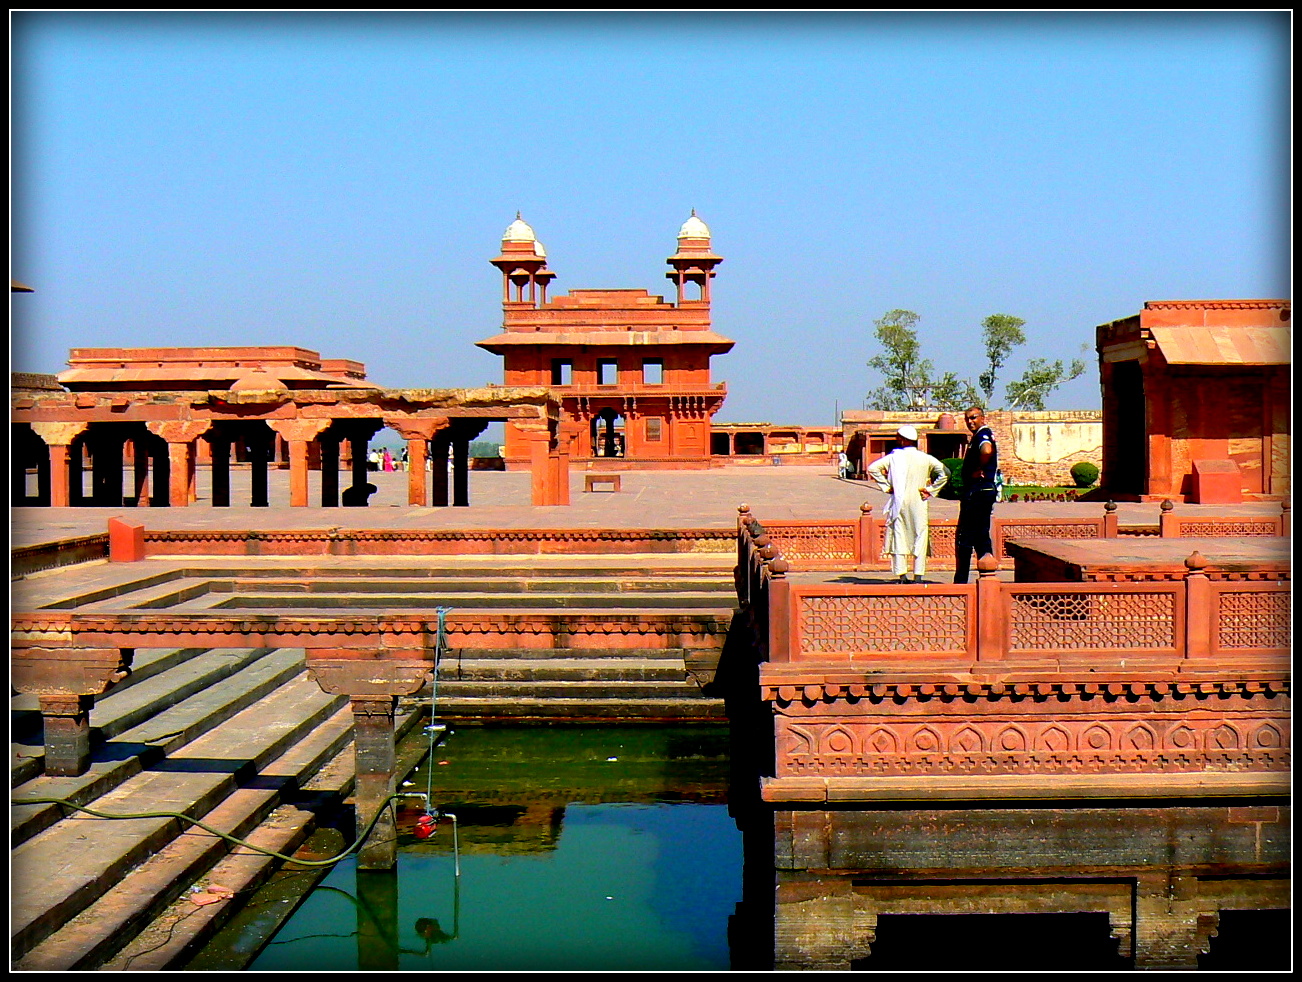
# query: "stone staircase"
[239,738]
[244,740]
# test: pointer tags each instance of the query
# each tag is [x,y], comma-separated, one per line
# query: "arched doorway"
[607,433]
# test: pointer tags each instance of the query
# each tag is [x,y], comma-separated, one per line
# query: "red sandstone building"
[632,371]
[1196,400]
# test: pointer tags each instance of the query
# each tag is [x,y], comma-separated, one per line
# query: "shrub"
[1084,474]
[954,465]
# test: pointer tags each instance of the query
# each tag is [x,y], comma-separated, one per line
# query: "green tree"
[1001,333]
[952,394]
[1041,378]
[907,373]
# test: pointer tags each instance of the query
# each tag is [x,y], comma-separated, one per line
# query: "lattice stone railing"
[1082,620]
[829,542]
[1232,529]
[1051,530]
[1253,619]
[919,623]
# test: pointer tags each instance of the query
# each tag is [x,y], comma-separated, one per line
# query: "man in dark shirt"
[978,495]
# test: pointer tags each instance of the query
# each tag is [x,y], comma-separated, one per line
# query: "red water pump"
[426,826]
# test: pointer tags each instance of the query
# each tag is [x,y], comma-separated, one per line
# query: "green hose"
[229,838]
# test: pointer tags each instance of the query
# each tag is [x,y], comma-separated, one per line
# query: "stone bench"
[590,481]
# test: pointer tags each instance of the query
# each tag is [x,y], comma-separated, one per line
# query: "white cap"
[908,433]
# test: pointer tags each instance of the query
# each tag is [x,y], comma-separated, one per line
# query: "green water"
[580,849]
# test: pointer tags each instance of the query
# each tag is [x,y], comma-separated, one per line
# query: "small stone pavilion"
[1196,400]
[632,371]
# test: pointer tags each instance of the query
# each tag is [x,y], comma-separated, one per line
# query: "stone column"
[66,720]
[460,469]
[867,541]
[538,441]
[375,762]
[989,610]
[180,436]
[439,446]
[1110,521]
[140,468]
[418,433]
[260,447]
[298,433]
[372,679]
[106,468]
[66,681]
[356,495]
[1200,615]
[58,437]
[1172,926]
[329,471]
[219,447]
[76,470]
[378,933]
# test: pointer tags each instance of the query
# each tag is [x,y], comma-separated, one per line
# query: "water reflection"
[616,849]
[580,849]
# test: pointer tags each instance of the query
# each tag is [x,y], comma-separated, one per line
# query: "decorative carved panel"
[884,623]
[1076,621]
[1229,529]
[821,542]
[1253,620]
[1124,743]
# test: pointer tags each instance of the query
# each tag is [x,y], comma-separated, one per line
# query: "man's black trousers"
[974,512]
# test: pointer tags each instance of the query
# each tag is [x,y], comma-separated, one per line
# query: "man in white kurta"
[910,477]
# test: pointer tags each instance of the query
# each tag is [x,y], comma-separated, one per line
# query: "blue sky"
[340,181]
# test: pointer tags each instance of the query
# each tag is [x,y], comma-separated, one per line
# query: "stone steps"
[618,709]
[680,600]
[167,679]
[93,936]
[499,584]
[61,870]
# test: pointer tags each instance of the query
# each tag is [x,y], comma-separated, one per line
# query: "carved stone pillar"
[219,448]
[329,470]
[298,433]
[180,436]
[106,468]
[372,681]
[439,447]
[460,469]
[418,433]
[376,757]
[58,437]
[140,472]
[66,680]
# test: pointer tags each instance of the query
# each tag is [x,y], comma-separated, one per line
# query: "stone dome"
[538,249]
[694,228]
[519,231]
[256,381]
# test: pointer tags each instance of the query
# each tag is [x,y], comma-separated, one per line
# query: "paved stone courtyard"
[648,499]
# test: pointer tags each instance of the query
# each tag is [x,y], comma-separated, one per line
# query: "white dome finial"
[519,231]
[694,228]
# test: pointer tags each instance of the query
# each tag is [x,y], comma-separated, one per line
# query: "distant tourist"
[977,501]
[910,477]
[387,460]
[373,460]
[843,465]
